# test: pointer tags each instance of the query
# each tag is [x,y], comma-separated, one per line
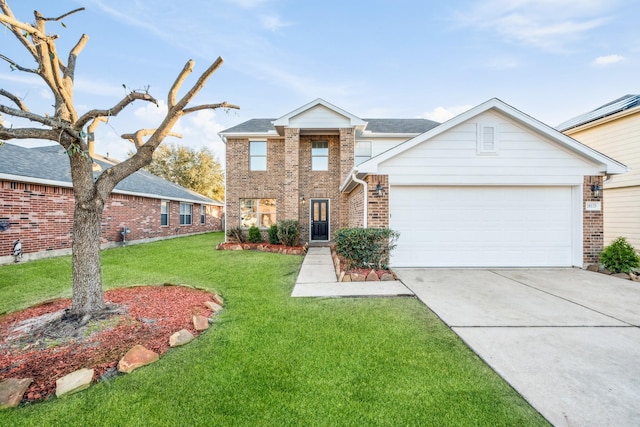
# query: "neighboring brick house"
[36,205]
[490,187]
[614,129]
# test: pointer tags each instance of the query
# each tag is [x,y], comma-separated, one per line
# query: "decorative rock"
[593,267]
[200,323]
[136,357]
[346,278]
[605,271]
[213,306]
[621,276]
[181,337]
[387,277]
[634,277]
[372,276]
[73,382]
[11,391]
[217,299]
[357,277]
[235,248]
[341,276]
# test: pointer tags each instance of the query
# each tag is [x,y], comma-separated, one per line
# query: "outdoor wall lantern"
[379,190]
[596,191]
[303,200]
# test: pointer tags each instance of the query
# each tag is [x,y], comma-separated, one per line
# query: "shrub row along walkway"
[317,278]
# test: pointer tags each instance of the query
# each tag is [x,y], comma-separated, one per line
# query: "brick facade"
[592,223]
[289,177]
[41,216]
[378,212]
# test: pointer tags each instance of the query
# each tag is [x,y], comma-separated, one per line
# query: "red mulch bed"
[261,247]
[152,314]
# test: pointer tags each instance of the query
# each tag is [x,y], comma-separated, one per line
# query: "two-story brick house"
[490,187]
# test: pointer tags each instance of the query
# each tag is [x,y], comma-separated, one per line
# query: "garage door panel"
[482,226]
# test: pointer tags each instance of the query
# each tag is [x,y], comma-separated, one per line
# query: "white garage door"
[482,226]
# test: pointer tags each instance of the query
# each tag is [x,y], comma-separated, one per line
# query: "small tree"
[197,170]
[66,127]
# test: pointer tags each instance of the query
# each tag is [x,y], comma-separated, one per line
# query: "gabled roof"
[612,167]
[50,166]
[283,121]
[623,103]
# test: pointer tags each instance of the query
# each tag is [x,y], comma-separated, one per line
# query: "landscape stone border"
[12,389]
[366,275]
[634,276]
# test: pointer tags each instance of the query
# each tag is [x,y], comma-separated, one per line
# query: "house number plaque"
[593,206]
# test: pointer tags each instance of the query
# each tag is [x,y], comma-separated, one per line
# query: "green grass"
[272,360]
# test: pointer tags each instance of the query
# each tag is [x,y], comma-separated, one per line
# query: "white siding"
[620,140]
[319,117]
[523,157]
[457,226]
[622,215]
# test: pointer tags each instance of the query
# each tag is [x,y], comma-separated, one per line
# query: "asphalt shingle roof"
[374,125]
[623,103]
[52,164]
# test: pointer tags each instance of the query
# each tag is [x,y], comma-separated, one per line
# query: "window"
[319,156]
[258,155]
[185,214]
[487,139]
[363,151]
[164,213]
[258,212]
[202,214]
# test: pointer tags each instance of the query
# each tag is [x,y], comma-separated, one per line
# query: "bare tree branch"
[136,137]
[63,16]
[52,122]
[113,111]
[73,56]
[17,66]
[210,107]
[29,133]
[94,124]
[15,99]
[171,98]
[9,20]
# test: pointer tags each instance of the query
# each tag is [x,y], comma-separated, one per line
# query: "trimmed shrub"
[366,247]
[289,232]
[273,234]
[254,235]
[236,234]
[620,256]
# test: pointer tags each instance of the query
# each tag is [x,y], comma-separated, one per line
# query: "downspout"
[366,197]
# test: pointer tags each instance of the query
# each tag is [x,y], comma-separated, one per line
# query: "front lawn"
[272,360]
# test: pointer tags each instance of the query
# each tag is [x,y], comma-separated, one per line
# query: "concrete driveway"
[566,339]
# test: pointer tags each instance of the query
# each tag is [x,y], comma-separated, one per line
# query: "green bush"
[237,234]
[254,235]
[273,234]
[366,247]
[620,256]
[289,232]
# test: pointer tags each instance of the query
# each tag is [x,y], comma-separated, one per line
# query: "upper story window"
[185,214]
[164,212]
[258,212]
[319,156]
[487,139]
[362,152]
[258,155]
[203,214]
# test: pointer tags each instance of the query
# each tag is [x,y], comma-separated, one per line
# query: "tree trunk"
[87,274]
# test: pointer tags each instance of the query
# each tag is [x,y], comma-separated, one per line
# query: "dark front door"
[319,220]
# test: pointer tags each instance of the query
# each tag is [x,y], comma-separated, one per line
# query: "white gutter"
[366,196]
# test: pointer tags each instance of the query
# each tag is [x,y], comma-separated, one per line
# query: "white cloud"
[442,114]
[247,4]
[547,24]
[273,22]
[608,59]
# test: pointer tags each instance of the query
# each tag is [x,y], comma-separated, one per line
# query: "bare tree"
[67,128]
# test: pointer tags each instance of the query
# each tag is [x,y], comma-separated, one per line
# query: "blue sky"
[552,59]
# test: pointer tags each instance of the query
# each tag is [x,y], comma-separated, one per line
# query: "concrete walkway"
[566,339]
[317,278]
